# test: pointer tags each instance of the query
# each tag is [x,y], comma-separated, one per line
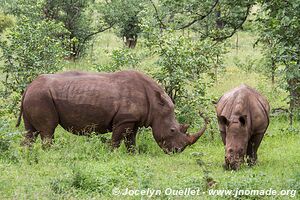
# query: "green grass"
[85,168]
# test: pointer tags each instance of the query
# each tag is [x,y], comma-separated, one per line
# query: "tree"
[32,48]
[280,21]
[183,61]
[79,18]
[186,70]
[216,19]
[270,55]
[125,14]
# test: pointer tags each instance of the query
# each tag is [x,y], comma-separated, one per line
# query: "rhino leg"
[30,135]
[45,123]
[129,140]
[252,148]
[120,132]
[47,137]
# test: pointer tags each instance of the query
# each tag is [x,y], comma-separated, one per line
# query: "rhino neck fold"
[148,120]
[156,130]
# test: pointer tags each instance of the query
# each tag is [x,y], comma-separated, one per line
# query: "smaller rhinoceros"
[243,117]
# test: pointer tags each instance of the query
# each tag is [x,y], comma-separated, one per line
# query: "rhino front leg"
[130,139]
[120,132]
[252,148]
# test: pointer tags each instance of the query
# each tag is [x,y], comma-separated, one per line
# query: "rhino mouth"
[233,164]
[172,149]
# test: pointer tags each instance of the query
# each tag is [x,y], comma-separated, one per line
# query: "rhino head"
[171,136]
[236,140]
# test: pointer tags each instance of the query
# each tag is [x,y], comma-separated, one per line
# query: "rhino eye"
[172,130]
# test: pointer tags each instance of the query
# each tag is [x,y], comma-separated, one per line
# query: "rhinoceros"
[120,102]
[243,117]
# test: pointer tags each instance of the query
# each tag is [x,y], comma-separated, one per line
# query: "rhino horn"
[194,137]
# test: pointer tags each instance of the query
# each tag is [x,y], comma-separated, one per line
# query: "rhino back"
[244,100]
[95,99]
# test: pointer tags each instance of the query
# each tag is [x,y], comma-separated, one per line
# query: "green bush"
[247,66]
[8,136]
[186,70]
[123,58]
[32,48]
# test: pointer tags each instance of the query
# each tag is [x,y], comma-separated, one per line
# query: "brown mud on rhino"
[120,102]
[243,117]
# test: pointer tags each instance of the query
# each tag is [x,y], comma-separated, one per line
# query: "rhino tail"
[21,110]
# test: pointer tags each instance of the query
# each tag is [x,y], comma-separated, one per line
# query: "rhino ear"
[223,120]
[184,127]
[243,119]
[159,98]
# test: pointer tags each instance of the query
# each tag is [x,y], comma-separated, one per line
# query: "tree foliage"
[280,24]
[77,18]
[183,61]
[186,69]
[32,48]
[125,15]
[216,19]
[122,58]
[186,36]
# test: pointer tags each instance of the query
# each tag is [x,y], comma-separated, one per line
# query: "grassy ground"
[86,168]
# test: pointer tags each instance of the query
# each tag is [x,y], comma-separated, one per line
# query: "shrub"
[120,59]
[186,69]
[32,48]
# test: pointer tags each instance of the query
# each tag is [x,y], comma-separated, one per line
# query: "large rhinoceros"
[102,102]
[243,117]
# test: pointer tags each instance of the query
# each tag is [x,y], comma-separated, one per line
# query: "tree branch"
[200,17]
[96,32]
[162,25]
[236,27]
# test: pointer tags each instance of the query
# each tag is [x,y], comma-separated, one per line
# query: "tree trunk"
[294,90]
[237,43]
[130,42]
[273,68]
[219,21]
[216,68]
[74,49]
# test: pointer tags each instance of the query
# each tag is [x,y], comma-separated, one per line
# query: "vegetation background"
[196,50]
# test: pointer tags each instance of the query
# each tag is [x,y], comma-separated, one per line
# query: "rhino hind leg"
[30,135]
[126,131]
[47,137]
[44,118]
[252,148]
[46,132]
